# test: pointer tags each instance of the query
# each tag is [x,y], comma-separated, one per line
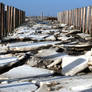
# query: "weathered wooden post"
[19,17]
[24,17]
[66,17]
[84,19]
[88,19]
[81,22]
[60,17]
[8,19]
[91,23]
[14,18]
[11,17]
[73,17]
[69,17]
[76,18]
[1,20]
[78,12]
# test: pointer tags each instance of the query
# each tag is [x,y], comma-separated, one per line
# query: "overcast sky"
[48,7]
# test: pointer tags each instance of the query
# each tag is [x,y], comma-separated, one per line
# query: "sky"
[48,7]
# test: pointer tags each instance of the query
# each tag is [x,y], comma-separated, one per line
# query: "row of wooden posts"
[10,18]
[81,18]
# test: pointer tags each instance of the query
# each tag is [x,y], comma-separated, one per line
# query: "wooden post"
[84,19]
[1,20]
[88,19]
[91,23]
[69,18]
[19,17]
[81,18]
[5,22]
[78,18]
[24,16]
[75,18]
[59,17]
[81,22]
[14,18]
[11,19]
[8,19]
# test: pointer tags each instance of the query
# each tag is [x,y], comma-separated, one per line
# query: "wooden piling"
[81,18]
[1,20]
[10,18]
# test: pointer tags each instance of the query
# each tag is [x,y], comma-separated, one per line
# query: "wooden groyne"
[81,18]
[10,18]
